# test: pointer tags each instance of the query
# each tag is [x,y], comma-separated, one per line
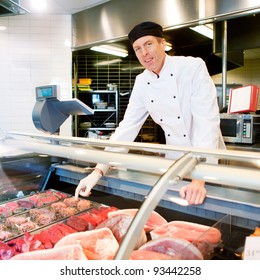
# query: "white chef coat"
[182,100]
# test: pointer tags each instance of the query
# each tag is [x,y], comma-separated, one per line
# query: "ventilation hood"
[11,8]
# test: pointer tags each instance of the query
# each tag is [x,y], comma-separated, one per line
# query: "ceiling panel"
[59,6]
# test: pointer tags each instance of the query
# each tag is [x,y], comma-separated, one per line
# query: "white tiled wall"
[34,51]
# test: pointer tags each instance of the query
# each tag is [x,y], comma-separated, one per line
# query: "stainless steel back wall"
[113,20]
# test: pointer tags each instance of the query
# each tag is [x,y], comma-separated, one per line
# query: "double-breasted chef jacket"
[182,100]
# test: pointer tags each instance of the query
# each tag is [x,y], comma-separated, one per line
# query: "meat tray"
[38,218]
[34,200]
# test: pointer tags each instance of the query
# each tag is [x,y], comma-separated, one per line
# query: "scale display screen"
[44,92]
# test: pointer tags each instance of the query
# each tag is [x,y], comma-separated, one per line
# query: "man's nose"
[144,51]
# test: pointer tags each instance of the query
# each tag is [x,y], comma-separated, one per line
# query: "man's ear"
[163,42]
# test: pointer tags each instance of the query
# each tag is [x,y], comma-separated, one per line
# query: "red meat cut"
[175,247]
[78,223]
[6,252]
[204,237]
[153,221]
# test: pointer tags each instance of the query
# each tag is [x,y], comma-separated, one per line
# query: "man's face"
[150,52]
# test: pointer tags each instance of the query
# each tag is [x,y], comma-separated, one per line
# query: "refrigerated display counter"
[141,177]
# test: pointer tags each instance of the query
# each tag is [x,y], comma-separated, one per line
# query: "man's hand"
[86,184]
[194,192]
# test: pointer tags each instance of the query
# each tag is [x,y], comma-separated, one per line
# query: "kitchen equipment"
[85,125]
[240,128]
[111,87]
[110,124]
[101,105]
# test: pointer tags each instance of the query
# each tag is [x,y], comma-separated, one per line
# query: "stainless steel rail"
[175,173]
[85,150]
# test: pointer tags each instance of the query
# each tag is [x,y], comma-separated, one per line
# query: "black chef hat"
[144,29]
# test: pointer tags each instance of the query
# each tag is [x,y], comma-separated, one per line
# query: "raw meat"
[49,237]
[46,197]
[97,244]
[2,227]
[68,211]
[42,216]
[57,206]
[90,220]
[26,204]
[15,221]
[6,252]
[26,227]
[5,234]
[21,244]
[174,247]
[66,252]
[103,211]
[5,212]
[78,223]
[71,201]
[44,239]
[12,205]
[119,225]
[204,237]
[83,205]
[150,255]
[153,221]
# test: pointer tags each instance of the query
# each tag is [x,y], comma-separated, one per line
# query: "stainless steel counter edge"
[242,205]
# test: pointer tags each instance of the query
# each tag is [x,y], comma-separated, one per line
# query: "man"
[178,93]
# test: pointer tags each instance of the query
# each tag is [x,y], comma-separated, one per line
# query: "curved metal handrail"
[175,173]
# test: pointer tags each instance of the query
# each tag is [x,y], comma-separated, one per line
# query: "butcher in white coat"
[180,96]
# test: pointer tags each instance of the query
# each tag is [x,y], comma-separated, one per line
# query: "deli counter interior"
[141,180]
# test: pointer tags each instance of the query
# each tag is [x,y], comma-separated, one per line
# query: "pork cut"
[202,236]
[153,221]
[97,244]
[119,225]
[66,252]
[149,255]
[177,248]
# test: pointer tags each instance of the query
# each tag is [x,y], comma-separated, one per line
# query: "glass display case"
[140,176]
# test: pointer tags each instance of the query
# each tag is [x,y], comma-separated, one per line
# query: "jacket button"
[169,135]
[179,117]
[171,74]
[184,135]
[174,96]
[161,120]
[148,83]
[152,101]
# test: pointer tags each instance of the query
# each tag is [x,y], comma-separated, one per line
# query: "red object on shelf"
[243,99]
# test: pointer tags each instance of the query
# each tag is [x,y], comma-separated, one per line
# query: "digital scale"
[49,113]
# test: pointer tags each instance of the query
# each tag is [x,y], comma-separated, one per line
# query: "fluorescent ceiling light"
[39,5]
[110,50]
[204,30]
[108,62]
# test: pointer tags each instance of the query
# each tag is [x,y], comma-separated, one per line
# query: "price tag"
[252,248]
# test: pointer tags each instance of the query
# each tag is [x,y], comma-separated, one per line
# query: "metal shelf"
[100,116]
